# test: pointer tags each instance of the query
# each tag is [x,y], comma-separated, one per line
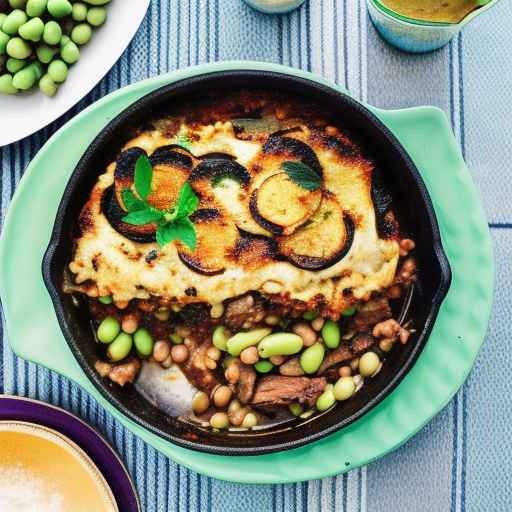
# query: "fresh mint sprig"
[172,224]
[302,175]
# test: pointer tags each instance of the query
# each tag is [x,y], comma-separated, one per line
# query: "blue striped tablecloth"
[462,459]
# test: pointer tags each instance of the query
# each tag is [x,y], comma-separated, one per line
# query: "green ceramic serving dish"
[456,336]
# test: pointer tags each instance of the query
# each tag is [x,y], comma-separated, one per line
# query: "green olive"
[120,347]
[280,344]
[344,388]
[312,358]
[219,338]
[368,364]
[108,329]
[326,400]
[331,334]
[243,340]
[143,342]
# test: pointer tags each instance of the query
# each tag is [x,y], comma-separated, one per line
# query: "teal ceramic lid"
[438,373]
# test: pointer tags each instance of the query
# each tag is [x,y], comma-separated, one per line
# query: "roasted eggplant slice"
[217,168]
[171,168]
[114,213]
[324,240]
[217,237]
[387,226]
[281,206]
[252,251]
[292,149]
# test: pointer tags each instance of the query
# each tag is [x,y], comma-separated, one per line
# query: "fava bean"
[220,338]
[36,7]
[120,347]
[79,12]
[331,334]
[295,409]
[3,15]
[64,40]
[59,8]
[263,366]
[24,79]
[162,314]
[32,30]
[108,329]
[81,34]
[14,21]
[52,33]
[312,358]
[4,39]
[143,342]
[18,48]
[45,54]
[242,340]
[70,52]
[280,344]
[97,2]
[175,338]
[200,402]
[349,311]
[96,16]
[309,315]
[368,364]
[106,299]
[326,400]
[47,85]
[6,86]
[344,388]
[17,4]
[58,71]
[14,65]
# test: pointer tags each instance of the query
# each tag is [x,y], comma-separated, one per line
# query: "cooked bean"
[120,347]
[277,360]
[210,364]
[318,323]
[307,334]
[175,338]
[161,351]
[280,344]
[79,12]
[232,373]
[162,314]
[59,8]
[222,396]
[52,33]
[179,353]
[326,400]
[250,420]
[331,334]
[345,371]
[217,310]
[108,329]
[350,311]
[386,344]
[242,340]
[354,364]
[234,405]
[106,299]
[15,19]
[96,16]
[263,366]
[213,353]
[129,324]
[404,335]
[81,34]
[295,409]
[26,77]
[143,342]
[272,320]
[18,48]
[220,337]
[237,416]
[32,30]
[386,329]
[344,388]
[312,358]
[368,364]
[36,7]
[4,39]
[249,355]
[58,70]
[200,402]
[219,420]
[6,86]
[69,52]
[15,65]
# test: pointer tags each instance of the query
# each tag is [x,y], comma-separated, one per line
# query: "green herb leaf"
[143,176]
[187,202]
[141,217]
[302,175]
[181,229]
[131,203]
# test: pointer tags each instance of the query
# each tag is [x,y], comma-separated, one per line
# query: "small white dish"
[25,113]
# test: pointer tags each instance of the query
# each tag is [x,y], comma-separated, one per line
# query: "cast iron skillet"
[414,210]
